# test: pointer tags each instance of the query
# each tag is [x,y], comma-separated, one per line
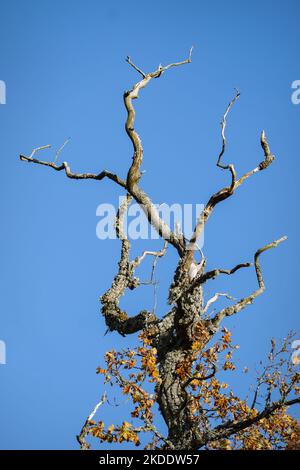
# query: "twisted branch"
[227,191]
[228,311]
[77,176]
[216,272]
[115,318]
[134,174]
[158,254]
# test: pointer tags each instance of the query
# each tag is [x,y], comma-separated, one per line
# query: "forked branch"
[134,173]
[227,191]
[158,254]
[228,311]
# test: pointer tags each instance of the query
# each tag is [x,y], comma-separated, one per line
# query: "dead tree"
[174,334]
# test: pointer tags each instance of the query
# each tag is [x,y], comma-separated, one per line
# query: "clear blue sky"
[64,68]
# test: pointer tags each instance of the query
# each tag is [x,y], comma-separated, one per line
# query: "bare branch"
[269,158]
[128,59]
[134,174]
[176,64]
[85,428]
[160,69]
[216,272]
[158,254]
[60,149]
[256,260]
[37,149]
[223,127]
[213,299]
[228,311]
[76,176]
[226,192]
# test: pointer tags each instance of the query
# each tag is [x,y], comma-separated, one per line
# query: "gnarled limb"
[216,272]
[226,192]
[181,280]
[228,311]
[115,318]
[158,254]
[200,276]
[134,174]
[77,176]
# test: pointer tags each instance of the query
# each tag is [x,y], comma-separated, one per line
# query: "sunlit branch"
[158,254]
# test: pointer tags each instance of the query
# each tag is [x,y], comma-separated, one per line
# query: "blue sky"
[65,73]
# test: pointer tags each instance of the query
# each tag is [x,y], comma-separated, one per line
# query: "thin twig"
[37,149]
[128,59]
[223,127]
[60,149]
